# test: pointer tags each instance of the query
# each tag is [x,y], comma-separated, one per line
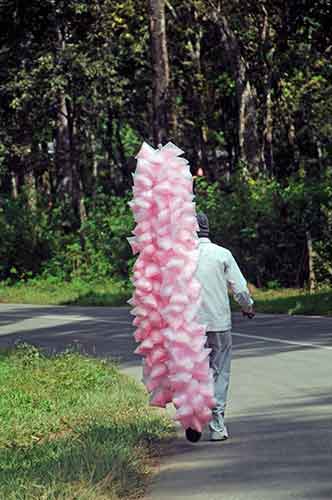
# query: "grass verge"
[51,291]
[73,428]
[116,293]
[294,301]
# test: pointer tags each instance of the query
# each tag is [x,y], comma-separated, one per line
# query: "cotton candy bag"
[167,295]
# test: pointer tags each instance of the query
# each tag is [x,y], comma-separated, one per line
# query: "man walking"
[218,272]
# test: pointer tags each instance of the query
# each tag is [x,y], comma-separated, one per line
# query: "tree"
[249,151]
[242,87]
[161,71]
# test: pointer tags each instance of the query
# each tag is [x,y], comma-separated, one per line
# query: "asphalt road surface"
[280,406]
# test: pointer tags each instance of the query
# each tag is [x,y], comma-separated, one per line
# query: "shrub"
[34,243]
[264,224]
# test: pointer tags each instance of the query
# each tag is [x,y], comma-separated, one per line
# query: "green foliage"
[273,285]
[36,242]
[24,240]
[105,233]
[72,427]
[77,99]
[52,289]
[264,223]
[294,301]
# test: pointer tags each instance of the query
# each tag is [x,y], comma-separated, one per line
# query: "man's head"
[203,223]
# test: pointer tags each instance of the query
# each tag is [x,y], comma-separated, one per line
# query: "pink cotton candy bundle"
[167,295]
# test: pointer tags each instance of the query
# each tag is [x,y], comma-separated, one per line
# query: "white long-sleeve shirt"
[217,271]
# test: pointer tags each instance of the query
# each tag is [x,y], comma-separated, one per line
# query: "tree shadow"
[273,452]
[80,456]
[279,327]
[95,331]
[108,332]
[273,455]
[14,313]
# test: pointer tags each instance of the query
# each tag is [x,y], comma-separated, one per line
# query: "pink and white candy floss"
[167,295]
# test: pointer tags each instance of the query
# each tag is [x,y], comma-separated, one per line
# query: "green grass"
[73,428]
[116,293]
[294,301]
[51,291]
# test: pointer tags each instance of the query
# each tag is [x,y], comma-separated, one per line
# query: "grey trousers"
[220,362]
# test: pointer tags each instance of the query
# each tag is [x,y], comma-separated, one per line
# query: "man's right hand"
[249,314]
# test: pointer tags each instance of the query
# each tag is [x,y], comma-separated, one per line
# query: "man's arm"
[238,285]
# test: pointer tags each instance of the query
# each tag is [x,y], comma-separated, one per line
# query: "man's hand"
[249,314]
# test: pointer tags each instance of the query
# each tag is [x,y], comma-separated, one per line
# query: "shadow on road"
[104,332]
[108,332]
[269,455]
[302,329]
[274,451]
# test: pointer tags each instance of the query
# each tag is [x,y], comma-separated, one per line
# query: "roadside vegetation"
[110,293]
[52,291]
[294,301]
[73,427]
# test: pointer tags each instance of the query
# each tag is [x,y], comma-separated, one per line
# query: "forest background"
[244,88]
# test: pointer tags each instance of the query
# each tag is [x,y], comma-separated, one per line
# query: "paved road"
[280,409]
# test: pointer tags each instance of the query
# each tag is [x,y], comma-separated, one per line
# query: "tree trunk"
[249,148]
[320,156]
[63,143]
[161,74]
[172,113]
[93,147]
[248,138]
[63,156]
[293,147]
[30,187]
[30,183]
[267,52]
[13,181]
[268,132]
[200,140]
[78,189]
[312,277]
[109,137]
